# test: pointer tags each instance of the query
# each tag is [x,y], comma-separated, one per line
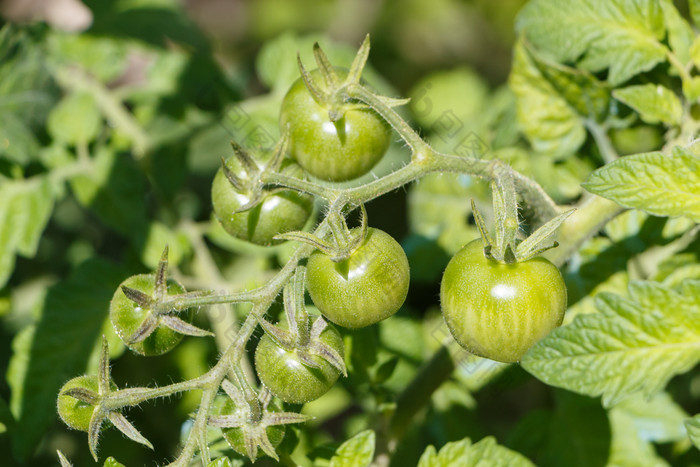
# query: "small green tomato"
[334,151]
[497,310]
[366,288]
[127,316]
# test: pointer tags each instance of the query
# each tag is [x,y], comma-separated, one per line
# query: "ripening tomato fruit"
[497,310]
[333,151]
[236,436]
[76,413]
[279,212]
[127,316]
[288,378]
[366,288]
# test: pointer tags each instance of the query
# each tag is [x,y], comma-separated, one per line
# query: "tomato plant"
[332,150]
[367,287]
[499,311]
[176,189]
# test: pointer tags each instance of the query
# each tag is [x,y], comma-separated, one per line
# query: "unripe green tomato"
[497,310]
[288,377]
[127,316]
[366,288]
[276,213]
[234,436]
[333,151]
[76,413]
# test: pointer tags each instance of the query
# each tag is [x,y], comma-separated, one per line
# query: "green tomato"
[76,413]
[333,151]
[497,310]
[127,316]
[276,213]
[235,436]
[366,288]
[288,378]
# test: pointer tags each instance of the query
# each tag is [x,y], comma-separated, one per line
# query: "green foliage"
[621,35]
[358,451]
[635,344]
[467,454]
[110,139]
[660,184]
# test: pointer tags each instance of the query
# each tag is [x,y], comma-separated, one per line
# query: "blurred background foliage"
[113,121]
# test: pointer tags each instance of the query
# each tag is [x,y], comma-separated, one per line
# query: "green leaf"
[622,35]
[355,452]
[680,34]
[693,427]
[659,184]
[657,419]
[466,454]
[551,125]
[76,119]
[220,462]
[112,462]
[25,208]
[627,448]
[695,11]
[114,191]
[102,57]
[633,344]
[57,347]
[654,103]
[17,142]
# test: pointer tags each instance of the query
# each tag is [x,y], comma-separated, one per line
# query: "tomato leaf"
[547,119]
[112,462]
[659,184]
[76,119]
[632,344]
[693,427]
[466,454]
[25,208]
[680,34]
[355,452]
[628,448]
[654,103]
[622,35]
[57,347]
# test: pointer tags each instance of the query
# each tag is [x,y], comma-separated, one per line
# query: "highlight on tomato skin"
[499,311]
[355,293]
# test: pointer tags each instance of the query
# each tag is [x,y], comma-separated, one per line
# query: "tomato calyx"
[504,247]
[100,393]
[161,307]
[250,418]
[332,93]
[245,178]
[300,337]
[344,241]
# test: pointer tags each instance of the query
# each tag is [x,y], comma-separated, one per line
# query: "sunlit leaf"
[633,344]
[621,35]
